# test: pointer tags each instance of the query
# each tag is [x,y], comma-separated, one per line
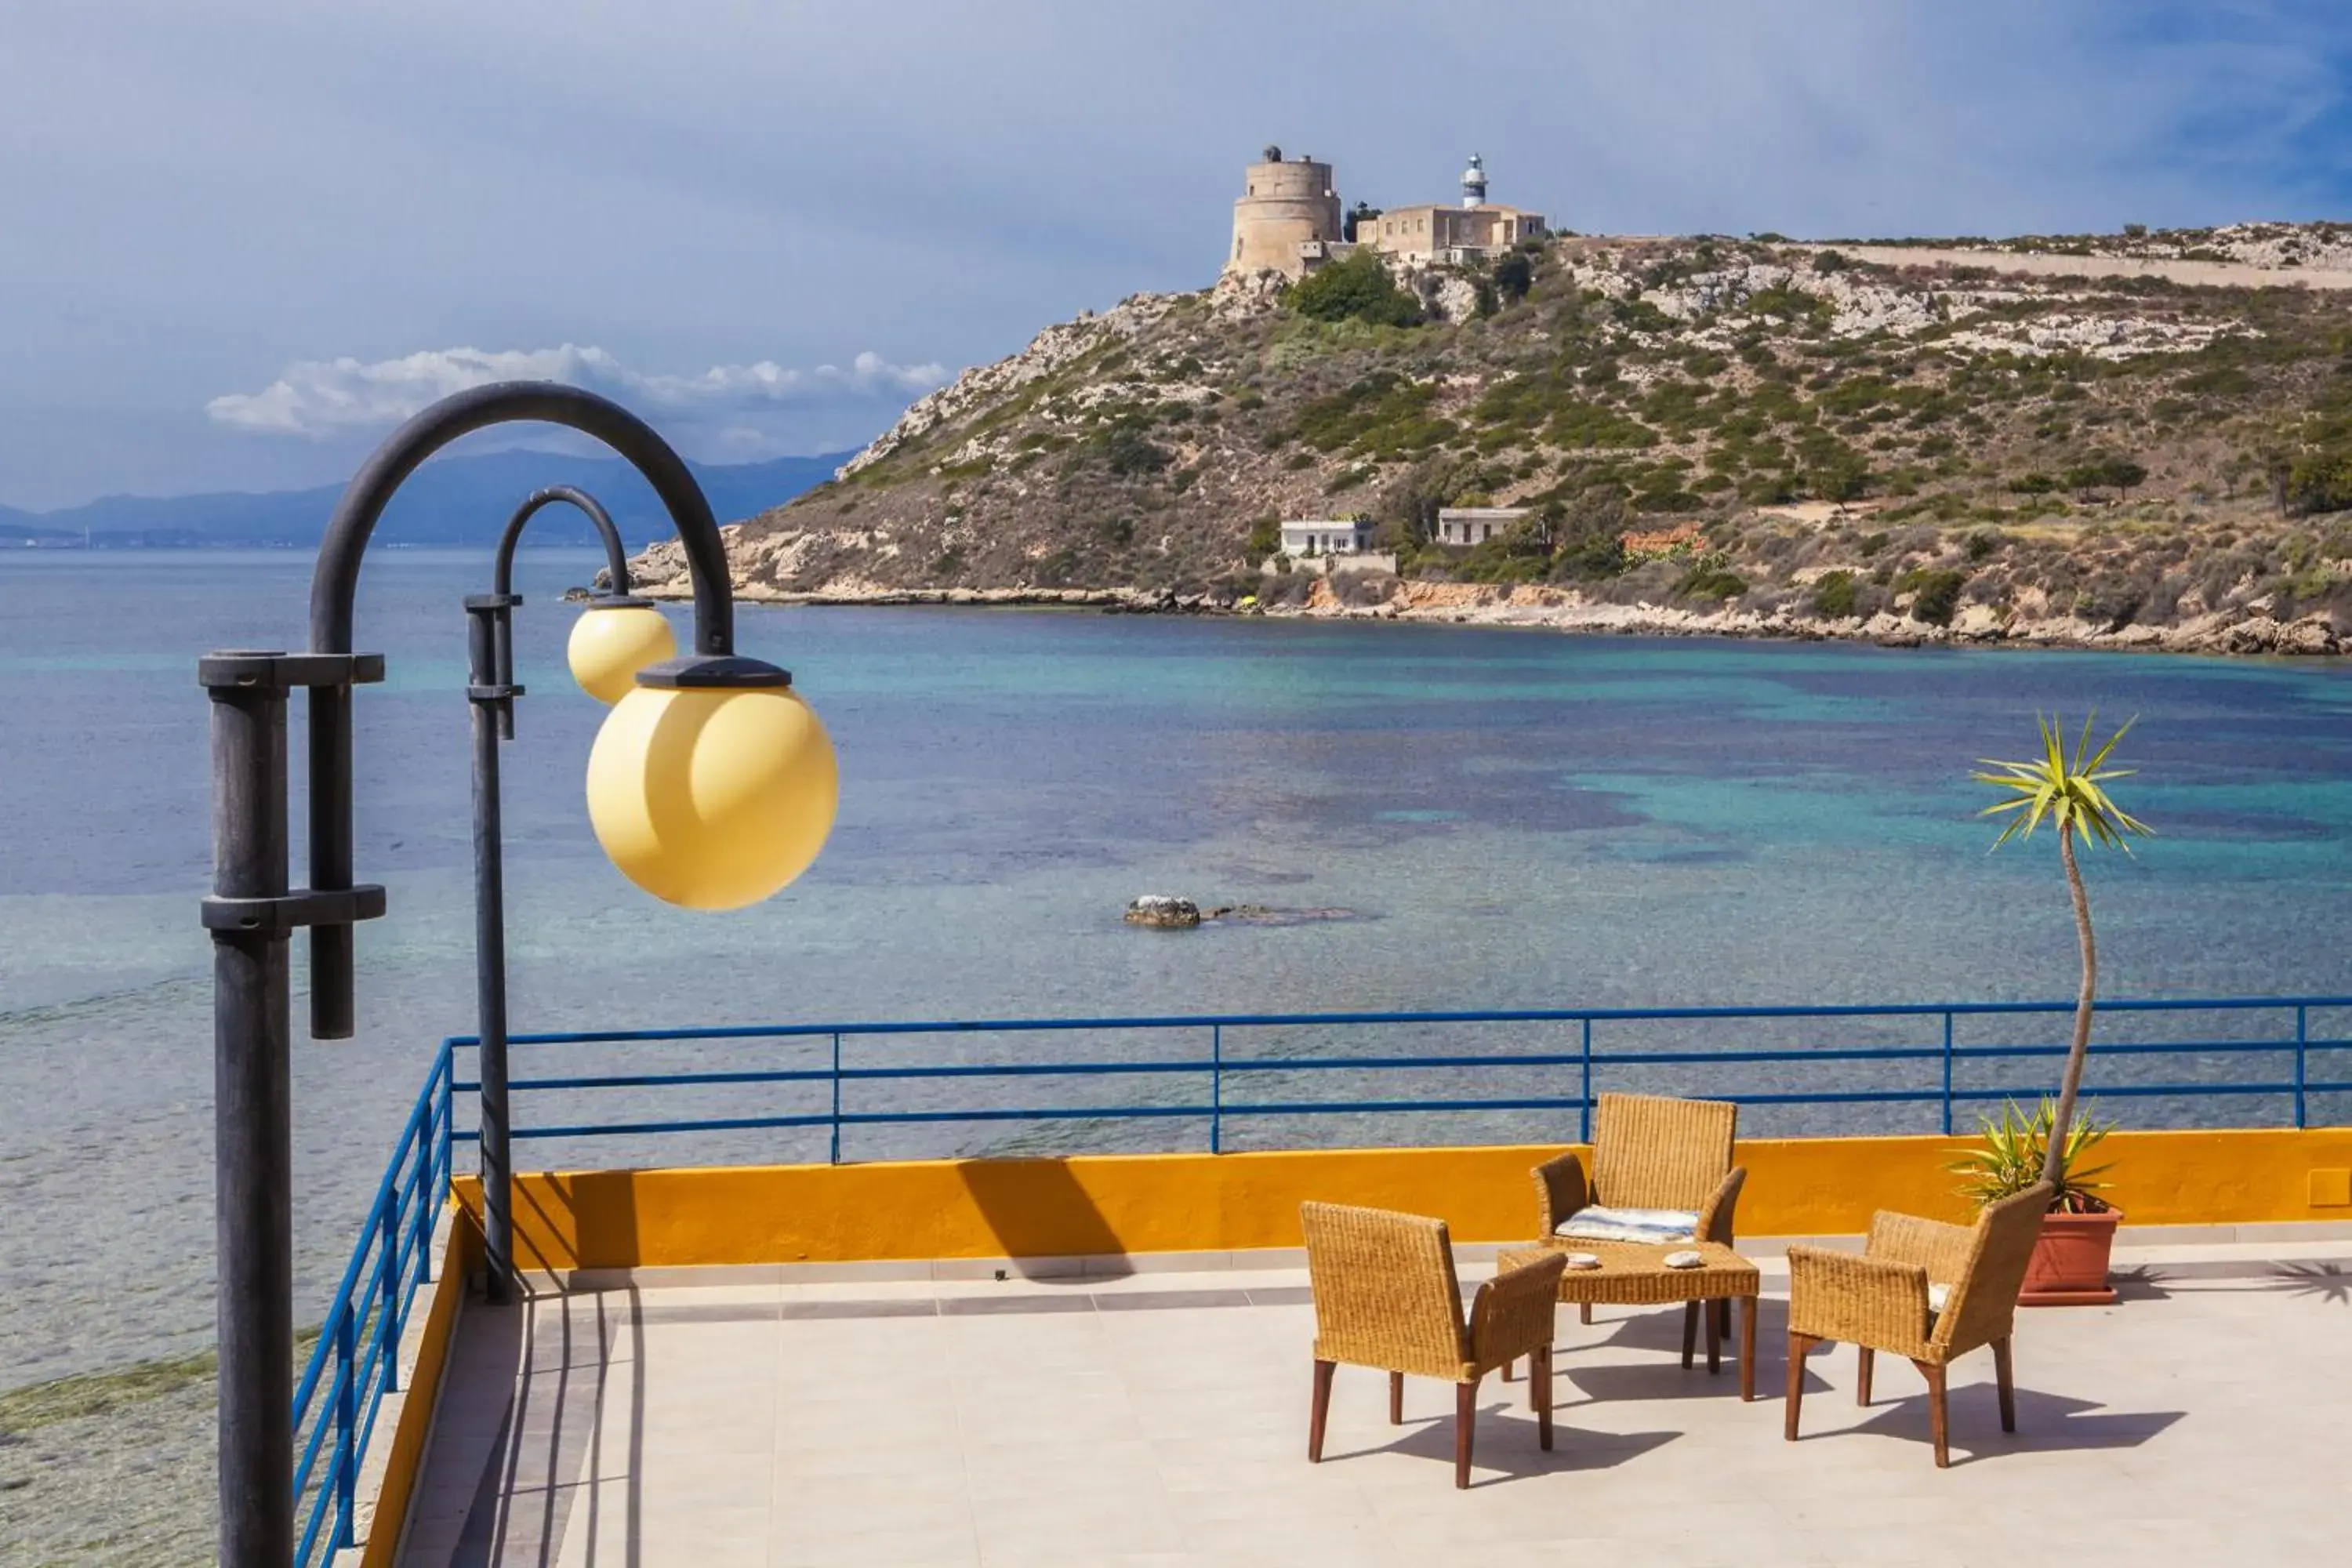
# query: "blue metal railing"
[357,1359]
[1939,1063]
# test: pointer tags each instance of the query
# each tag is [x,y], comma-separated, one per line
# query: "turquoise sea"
[1511,819]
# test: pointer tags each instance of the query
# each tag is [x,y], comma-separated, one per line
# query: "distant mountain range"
[453,500]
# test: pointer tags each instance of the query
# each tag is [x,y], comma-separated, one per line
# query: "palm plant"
[2013,1154]
[2068,792]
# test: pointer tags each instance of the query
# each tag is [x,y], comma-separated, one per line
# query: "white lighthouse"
[1473,183]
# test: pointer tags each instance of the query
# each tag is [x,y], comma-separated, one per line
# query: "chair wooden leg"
[1540,1395]
[1938,1418]
[1322,1409]
[1584,1312]
[1507,1367]
[1714,1338]
[1396,1399]
[1746,1348]
[2006,1376]
[1722,1319]
[1799,1345]
[1690,1332]
[1465,1422]
[1865,1358]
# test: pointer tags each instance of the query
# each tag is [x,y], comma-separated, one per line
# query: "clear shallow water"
[1518,819]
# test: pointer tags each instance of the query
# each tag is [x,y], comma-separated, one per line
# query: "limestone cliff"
[1861,447]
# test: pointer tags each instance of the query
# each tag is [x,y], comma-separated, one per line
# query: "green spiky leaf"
[2067,791]
[2012,1152]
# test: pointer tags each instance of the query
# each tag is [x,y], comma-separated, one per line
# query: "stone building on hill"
[1475,524]
[1326,536]
[1438,233]
[1288,220]
[1287,205]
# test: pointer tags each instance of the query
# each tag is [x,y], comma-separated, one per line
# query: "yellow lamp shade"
[713,799]
[610,643]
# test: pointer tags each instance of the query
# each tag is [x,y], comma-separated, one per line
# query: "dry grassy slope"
[1638,383]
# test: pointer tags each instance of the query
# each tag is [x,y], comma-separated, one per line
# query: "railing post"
[1584,1108]
[2301,1043]
[836,1097]
[387,1288]
[346,1420]
[1216,1089]
[1947,1072]
[420,1203]
[444,1143]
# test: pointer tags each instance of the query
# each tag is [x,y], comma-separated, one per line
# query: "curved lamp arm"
[335,581]
[502,598]
[616,555]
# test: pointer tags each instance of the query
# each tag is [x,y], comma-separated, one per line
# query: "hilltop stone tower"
[1287,204]
[1473,183]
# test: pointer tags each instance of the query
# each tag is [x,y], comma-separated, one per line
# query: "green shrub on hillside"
[1126,451]
[1514,274]
[1833,470]
[1936,594]
[1710,582]
[1588,425]
[1381,416]
[1833,595]
[1357,288]
[2317,479]
[2104,471]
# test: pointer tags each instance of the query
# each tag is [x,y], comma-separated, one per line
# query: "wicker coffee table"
[1634,1274]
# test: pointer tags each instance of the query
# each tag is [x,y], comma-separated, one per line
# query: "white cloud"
[736,408]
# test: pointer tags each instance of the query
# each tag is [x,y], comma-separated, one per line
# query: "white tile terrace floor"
[1161,1419]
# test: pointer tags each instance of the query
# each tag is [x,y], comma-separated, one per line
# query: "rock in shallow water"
[1160,909]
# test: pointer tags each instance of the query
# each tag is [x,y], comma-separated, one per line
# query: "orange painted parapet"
[1096,1205]
[415,1421]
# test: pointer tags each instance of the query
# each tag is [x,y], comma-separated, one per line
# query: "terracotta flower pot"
[2069,1268]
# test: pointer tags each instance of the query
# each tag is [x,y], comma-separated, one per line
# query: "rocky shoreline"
[1563,610]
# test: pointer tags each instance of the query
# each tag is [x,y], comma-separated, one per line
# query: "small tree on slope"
[2068,792]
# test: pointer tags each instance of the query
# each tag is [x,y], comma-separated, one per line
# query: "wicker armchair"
[1920,1289]
[1386,1297]
[1650,1152]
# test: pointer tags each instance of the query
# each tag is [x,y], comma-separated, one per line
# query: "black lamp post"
[491,690]
[253,912]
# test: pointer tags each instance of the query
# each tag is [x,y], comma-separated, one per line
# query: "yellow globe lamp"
[613,639]
[712,784]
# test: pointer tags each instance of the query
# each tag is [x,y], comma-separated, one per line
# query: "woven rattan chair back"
[1983,1307]
[1385,1293]
[1651,1152]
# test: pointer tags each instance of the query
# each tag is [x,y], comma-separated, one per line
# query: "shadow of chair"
[1572,1451]
[2050,1422]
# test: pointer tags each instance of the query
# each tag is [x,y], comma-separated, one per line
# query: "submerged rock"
[1160,909]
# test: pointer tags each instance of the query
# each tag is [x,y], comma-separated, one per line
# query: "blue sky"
[237,238]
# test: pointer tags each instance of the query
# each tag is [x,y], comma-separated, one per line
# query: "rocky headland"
[2133,442]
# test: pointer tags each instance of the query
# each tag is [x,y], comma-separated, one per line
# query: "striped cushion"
[1936,1296]
[1662,1226]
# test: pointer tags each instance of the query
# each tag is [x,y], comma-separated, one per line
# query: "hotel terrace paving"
[1160,1417]
[1108,1360]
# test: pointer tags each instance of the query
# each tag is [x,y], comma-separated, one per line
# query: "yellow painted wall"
[1092,1204]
